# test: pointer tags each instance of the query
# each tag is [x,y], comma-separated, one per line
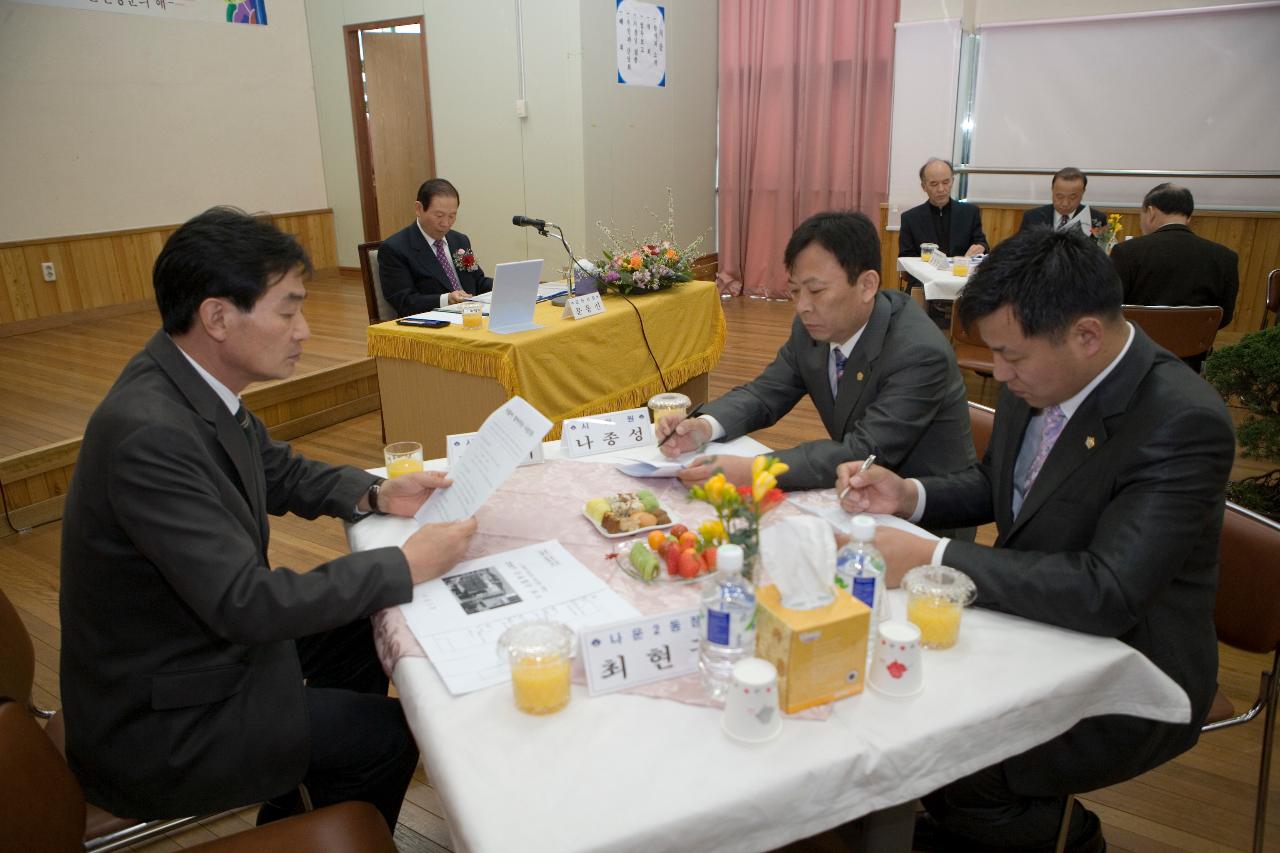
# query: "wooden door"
[399,133]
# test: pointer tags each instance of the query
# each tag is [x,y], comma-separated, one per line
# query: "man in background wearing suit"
[956,226]
[424,265]
[1172,266]
[1068,209]
[1105,477]
[183,653]
[882,377]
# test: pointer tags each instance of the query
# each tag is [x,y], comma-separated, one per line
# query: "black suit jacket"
[917,228]
[1117,537]
[412,278]
[1046,217]
[901,398]
[180,679]
[1172,266]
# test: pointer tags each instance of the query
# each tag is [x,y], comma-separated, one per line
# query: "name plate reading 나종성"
[638,651]
[606,433]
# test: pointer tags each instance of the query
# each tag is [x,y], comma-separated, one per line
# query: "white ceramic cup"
[751,705]
[896,660]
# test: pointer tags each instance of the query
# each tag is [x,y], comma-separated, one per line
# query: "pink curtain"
[805,94]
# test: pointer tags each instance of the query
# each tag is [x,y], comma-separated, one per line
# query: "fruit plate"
[623,534]
[624,562]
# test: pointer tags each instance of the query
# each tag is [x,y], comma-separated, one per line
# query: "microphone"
[525,221]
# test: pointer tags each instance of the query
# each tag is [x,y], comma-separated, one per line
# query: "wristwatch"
[373,497]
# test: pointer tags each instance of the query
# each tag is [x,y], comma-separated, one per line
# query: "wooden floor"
[1202,801]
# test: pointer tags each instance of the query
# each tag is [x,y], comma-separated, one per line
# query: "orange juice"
[471,319]
[541,684]
[960,266]
[403,465]
[926,256]
[938,620]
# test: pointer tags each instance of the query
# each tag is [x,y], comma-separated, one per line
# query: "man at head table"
[1068,209]
[195,678]
[427,264]
[1104,475]
[881,375]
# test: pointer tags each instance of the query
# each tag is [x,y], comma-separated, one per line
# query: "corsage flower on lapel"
[464,260]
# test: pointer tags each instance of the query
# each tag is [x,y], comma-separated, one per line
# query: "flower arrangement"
[464,260]
[740,508]
[634,266]
[1108,235]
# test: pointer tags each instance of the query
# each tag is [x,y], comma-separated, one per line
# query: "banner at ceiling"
[221,11]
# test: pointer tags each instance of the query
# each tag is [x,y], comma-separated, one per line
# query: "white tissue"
[799,554]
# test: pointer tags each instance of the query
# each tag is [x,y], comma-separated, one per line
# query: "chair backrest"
[972,352]
[379,308]
[1182,330]
[961,335]
[1272,305]
[1247,613]
[41,803]
[17,655]
[981,420]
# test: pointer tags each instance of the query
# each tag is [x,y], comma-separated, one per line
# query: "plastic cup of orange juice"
[402,457]
[472,315]
[936,598]
[539,654]
[927,250]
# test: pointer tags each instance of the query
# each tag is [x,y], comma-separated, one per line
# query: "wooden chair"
[1185,331]
[1247,616]
[379,308]
[1272,305]
[981,421]
[42,806]
[972,352]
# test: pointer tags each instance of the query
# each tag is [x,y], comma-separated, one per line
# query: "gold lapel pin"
[859,375]
[1089,442]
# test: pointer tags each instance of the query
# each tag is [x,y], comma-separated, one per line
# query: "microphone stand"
[573,269]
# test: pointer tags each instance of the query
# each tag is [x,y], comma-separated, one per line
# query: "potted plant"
[1248,374]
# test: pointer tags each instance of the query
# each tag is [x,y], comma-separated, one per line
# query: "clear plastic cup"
[539,653]
[472,315]
[936,598]
[402,457]
[927,250]
[671,403]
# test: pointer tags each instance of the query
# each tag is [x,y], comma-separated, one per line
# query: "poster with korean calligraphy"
[642,44]
[228,11]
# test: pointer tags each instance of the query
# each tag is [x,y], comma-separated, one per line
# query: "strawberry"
[673,559]
[709,557]
[677,530]
[690,565]
[688,539]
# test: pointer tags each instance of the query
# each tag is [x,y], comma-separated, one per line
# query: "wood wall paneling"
[1254,236]
[98,273]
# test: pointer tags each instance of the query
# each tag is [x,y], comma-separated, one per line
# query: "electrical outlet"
[47,269]
[522,108]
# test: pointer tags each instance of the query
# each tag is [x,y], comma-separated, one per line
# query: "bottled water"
[728,621]
[860,569]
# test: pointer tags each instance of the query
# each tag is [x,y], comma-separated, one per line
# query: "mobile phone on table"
[422,321]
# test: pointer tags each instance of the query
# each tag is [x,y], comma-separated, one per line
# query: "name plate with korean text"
[640,651]
[455,445]
[606,433]
[587,305]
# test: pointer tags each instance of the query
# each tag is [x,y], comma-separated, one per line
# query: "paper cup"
[895,663]
[751,704]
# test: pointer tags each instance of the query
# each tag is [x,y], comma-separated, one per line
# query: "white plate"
[622,535]
[624,562]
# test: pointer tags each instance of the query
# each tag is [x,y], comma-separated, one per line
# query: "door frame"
[360,122]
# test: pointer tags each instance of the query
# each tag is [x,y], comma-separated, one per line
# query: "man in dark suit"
[882,376]
[955,226]
[427,264]
[1172,266]
[1105,477]
[1068,209]
[183,653]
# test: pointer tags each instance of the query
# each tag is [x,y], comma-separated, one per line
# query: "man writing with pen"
[883,378]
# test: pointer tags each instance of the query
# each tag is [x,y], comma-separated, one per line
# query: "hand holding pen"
[690,433]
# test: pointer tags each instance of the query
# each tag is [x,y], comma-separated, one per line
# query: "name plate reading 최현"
[640,651]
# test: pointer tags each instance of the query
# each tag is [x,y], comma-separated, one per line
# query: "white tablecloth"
[625,772]
[938,284]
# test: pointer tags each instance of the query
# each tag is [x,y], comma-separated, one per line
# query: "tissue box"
[820,654]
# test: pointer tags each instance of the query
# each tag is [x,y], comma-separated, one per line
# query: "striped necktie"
[1062,223]
[841,360]
[442,255]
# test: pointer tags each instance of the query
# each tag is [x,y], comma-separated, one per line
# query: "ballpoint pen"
[866,464]
[693,413]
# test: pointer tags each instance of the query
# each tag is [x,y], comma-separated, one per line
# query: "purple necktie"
[1062,223]
[442,255]
[841,359]
[1054,420]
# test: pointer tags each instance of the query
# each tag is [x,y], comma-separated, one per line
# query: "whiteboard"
[1196,90]
[926,66]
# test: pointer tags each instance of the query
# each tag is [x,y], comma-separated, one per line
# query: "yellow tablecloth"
[571,368]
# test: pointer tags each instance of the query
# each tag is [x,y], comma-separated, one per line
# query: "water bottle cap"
[729,558]
[864,528]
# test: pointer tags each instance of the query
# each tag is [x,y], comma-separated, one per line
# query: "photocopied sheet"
[459,617]
[649,461]
[506,439]
[824,505]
